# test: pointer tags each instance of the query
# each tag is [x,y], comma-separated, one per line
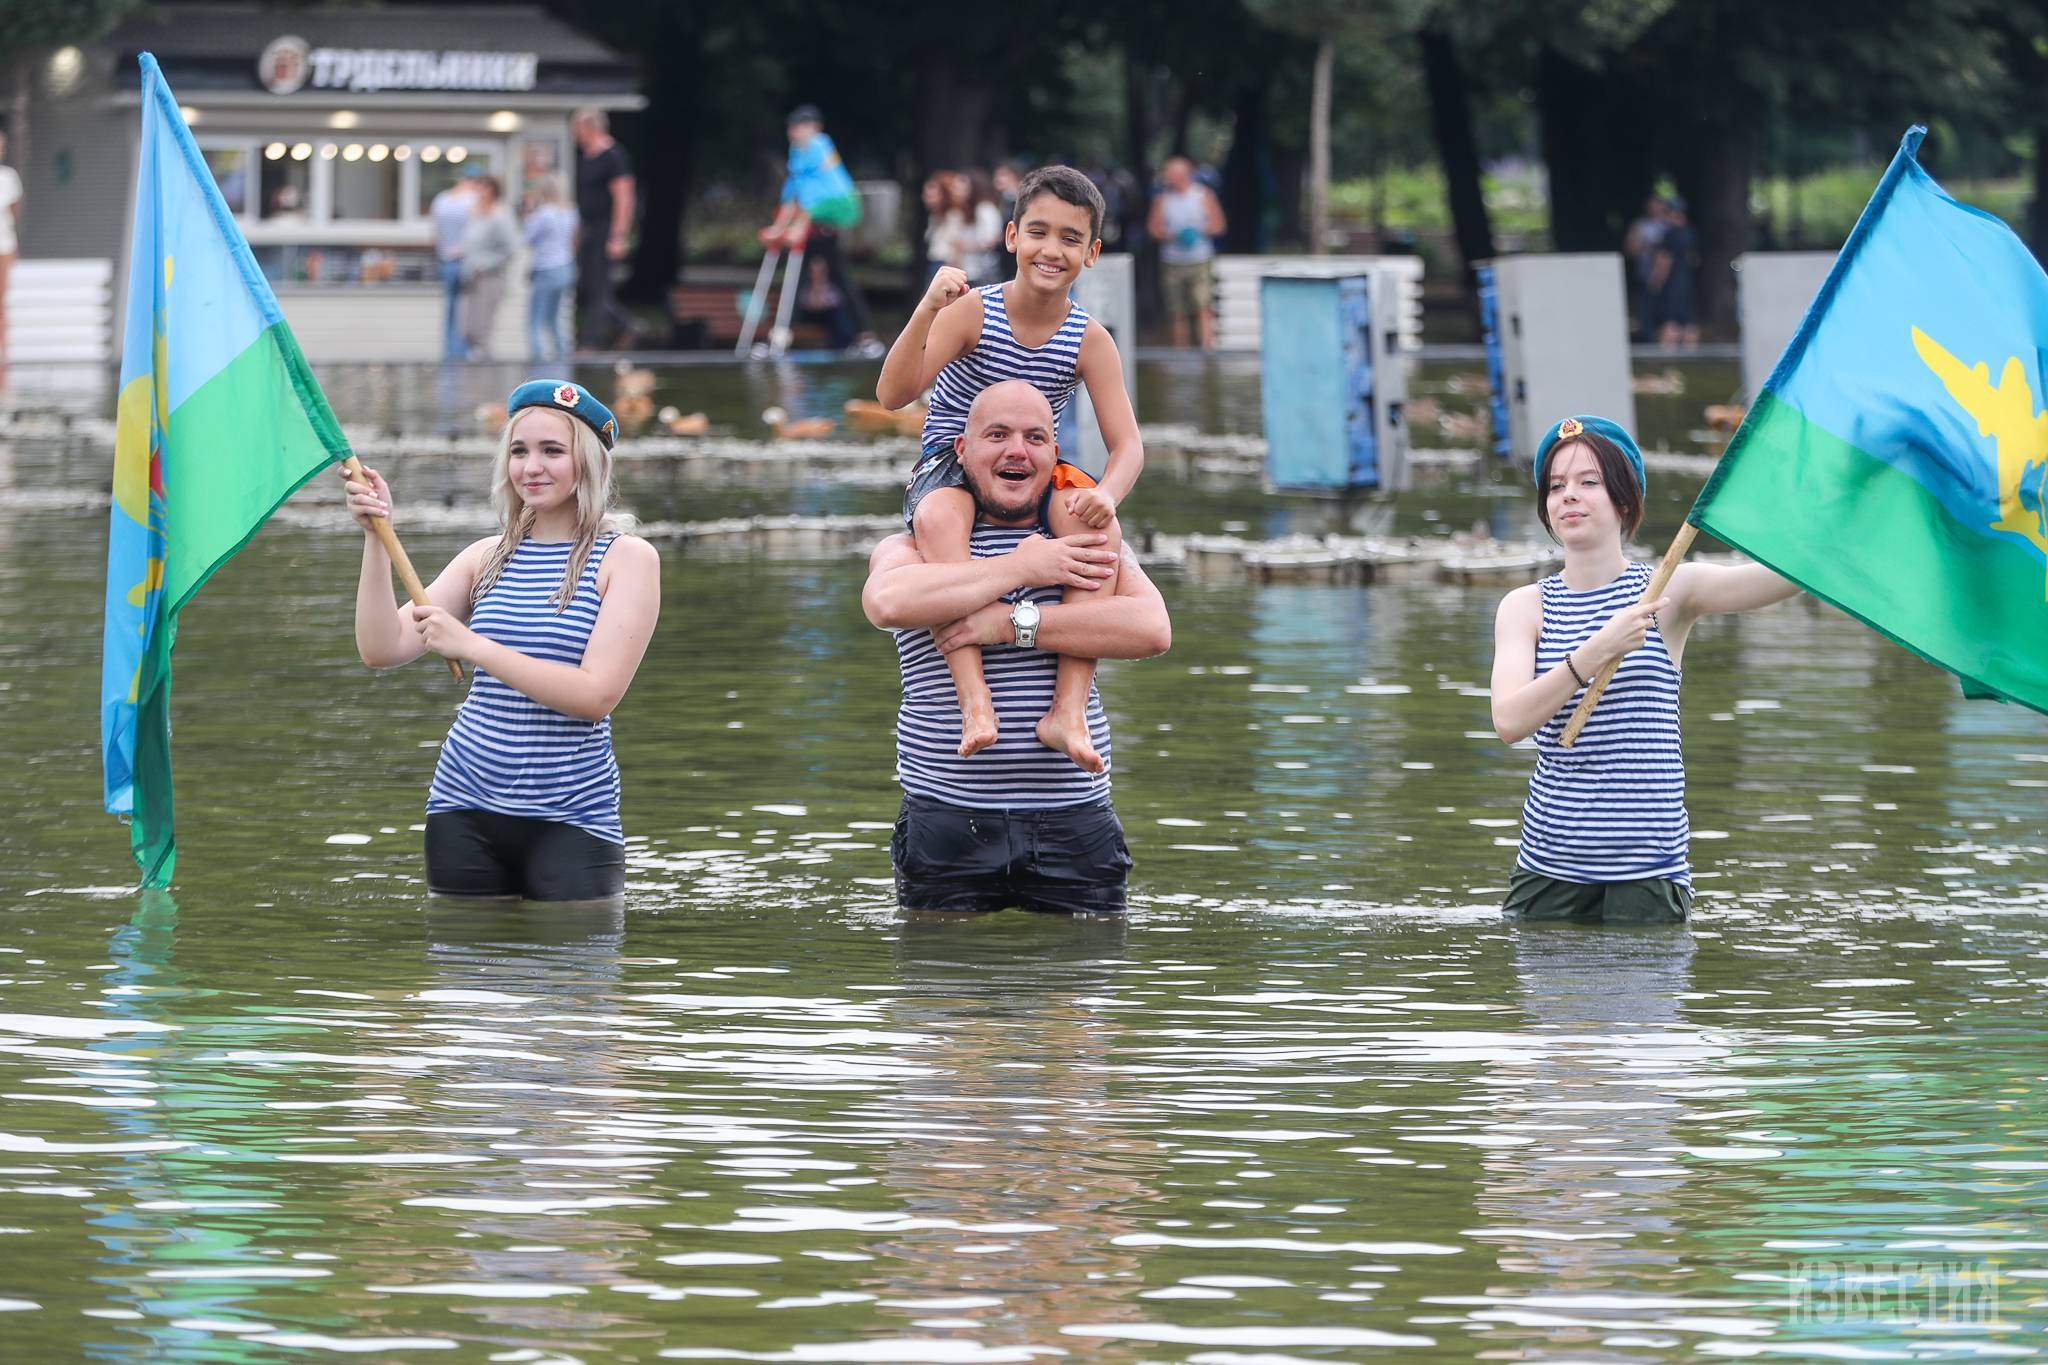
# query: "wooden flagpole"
[1659,580]
[382,525]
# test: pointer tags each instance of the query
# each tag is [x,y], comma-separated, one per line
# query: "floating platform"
[1216,458]
[1366,560]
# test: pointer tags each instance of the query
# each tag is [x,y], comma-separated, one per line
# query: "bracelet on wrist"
[1576,675]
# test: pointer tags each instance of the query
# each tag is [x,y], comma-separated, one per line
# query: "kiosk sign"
[289,65]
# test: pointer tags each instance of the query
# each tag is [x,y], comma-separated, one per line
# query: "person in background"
[604,206]
[449,213]
[942,223]
[487,250]
[1186,219]
[819,200]
[1006,179]
[1111,186]
[1671,276]
[10,217]
[551,238]
[289,206]
[985,222]
[1639,244]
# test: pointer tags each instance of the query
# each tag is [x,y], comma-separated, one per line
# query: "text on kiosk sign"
[290,64]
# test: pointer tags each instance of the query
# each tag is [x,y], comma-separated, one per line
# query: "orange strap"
[1066,475]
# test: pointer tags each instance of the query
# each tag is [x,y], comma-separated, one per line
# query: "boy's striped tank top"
[506,752]
[1054,368]
[1612,807]
[1016,772]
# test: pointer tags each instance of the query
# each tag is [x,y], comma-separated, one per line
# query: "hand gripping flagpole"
[389,537]
[1659,580]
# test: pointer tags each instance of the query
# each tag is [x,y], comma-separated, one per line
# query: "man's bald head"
[1008,451]
[1014,399]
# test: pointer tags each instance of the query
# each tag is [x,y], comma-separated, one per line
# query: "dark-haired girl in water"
[1604,830]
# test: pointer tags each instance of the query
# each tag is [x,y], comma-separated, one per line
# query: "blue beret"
[563,396]
[1599,426]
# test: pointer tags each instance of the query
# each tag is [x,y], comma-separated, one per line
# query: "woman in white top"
[10,212]
[984,231]
[944,224]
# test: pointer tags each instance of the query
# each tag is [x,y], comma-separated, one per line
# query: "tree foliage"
[31,25]
[1613,96]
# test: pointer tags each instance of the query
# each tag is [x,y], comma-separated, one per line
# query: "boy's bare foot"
[977,727]
[1068,734]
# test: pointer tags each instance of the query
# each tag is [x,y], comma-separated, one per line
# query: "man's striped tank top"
[506,752]
[1612,807]
[1016,772]
[1054,368]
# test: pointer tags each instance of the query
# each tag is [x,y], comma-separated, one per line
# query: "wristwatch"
[1024,621]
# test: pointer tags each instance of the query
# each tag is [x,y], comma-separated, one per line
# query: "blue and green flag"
[1896,462]
[219,420]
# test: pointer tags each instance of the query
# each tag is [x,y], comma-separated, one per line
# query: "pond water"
[1313,1101]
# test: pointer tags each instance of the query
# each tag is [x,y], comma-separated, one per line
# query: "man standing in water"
[1017,824]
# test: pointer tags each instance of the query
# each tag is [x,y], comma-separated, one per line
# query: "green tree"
[31,30]
[1331,27]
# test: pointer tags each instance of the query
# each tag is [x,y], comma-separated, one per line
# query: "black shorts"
[1652,900]
[1070,860]
[482,853]
[935,469]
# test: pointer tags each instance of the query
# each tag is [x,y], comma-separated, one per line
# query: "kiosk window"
[230,167]
[286,183]
[441,165]
[366,184]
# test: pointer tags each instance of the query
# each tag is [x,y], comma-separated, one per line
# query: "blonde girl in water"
[554,614]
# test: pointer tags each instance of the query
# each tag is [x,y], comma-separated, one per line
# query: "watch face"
[1024,622]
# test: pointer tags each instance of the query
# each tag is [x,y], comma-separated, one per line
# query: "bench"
[707,317]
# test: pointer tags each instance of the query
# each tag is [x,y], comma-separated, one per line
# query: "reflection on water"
[344,1121]
[1313,1101]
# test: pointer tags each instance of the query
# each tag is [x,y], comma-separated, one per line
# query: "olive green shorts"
[1654,900]
[1189,287]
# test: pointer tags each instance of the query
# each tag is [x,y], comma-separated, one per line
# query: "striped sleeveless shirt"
[506,752]
[1016,772]
[1054,368]
[1612,807]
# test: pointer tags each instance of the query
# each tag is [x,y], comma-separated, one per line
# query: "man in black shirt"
[604,202]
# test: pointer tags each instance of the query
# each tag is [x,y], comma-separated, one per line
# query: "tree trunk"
[1247,171]
[1596,150]
[1723,222]
[2037,204]
[954,104]
[1145,297]
[1716,177]
[2029,74]
[1450,116]
[1289,174]
[952,128]
[1183,115]
[1319,147]
[663,163]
